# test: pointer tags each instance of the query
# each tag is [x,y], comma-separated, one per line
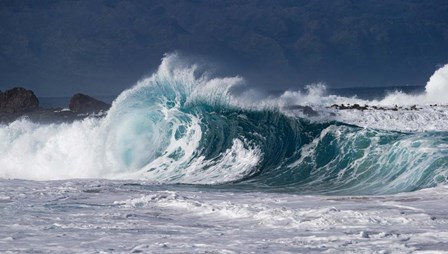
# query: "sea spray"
[437,86]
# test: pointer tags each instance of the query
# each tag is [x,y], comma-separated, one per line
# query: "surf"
[181,125]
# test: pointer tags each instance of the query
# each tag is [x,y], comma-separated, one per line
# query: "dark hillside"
[102,47]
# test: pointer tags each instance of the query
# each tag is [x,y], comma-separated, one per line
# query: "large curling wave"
[176,127]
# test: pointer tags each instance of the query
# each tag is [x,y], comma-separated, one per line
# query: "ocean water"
[63,102]
[183,164]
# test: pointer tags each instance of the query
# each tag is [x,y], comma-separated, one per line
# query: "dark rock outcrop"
[366,107]
[309,111]
[81,103]
[354,106]
[19,103]
[306,110]
[17,100]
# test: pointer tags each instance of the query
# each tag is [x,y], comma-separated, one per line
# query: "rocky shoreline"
[367,107]
[19,102]
[316,111]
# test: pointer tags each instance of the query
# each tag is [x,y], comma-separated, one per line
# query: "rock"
[18,99]
[367,107]
[358,107]
[81,103]
[354,106]
[307,110]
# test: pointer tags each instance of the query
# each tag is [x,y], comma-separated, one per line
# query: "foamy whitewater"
[182,163]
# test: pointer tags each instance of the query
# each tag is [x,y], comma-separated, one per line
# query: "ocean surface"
[182,163]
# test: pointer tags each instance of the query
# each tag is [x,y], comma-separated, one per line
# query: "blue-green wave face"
[176,128]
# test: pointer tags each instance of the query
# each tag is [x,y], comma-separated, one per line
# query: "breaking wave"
[180,127]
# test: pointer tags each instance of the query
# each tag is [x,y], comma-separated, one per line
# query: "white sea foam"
[57,151]
[105,216]
[424,119]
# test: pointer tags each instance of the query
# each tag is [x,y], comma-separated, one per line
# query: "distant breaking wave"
[176,127]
